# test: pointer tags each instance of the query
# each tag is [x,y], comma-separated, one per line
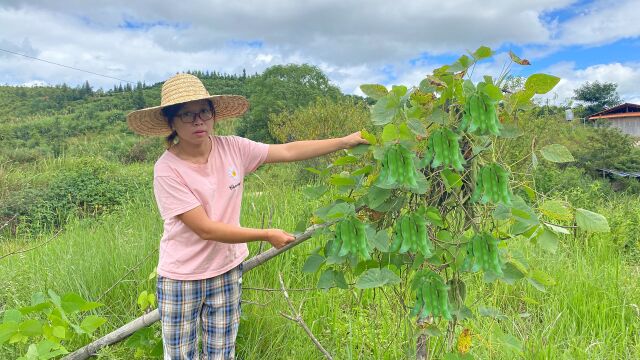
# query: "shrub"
[80,187]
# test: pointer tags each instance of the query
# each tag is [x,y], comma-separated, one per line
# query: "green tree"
[279,88]
[596,97]
[608,148]
[137,97]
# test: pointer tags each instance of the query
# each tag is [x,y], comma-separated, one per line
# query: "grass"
[591,313]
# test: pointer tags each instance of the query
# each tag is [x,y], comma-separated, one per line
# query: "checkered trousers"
[209,308]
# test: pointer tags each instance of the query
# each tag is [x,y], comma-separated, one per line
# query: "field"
[556,274]
[590,313]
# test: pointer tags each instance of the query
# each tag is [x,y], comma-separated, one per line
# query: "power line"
[66,66]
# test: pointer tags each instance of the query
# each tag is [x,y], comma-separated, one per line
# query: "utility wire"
[66,66]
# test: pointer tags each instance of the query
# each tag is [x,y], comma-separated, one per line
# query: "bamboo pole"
[148,319]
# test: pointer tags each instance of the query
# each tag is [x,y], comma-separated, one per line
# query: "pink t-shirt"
[180,186]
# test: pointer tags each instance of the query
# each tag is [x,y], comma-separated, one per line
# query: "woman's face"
[194,122]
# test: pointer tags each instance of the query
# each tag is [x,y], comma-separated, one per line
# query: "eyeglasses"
[190,117]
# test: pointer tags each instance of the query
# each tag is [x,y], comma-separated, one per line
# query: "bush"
[80,187]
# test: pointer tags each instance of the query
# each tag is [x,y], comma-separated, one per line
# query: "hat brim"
[151,121]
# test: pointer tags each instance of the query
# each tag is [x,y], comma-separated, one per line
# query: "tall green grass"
[591,313]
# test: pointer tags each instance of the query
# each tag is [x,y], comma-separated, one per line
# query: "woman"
[198,185]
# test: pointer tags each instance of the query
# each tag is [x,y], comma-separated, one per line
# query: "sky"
[352,42]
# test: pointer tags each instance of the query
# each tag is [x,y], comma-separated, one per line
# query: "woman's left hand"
[353,140]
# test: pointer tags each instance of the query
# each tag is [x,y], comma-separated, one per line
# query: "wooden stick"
[148,319]
[295,316]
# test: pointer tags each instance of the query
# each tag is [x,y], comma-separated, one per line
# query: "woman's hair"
[171,111]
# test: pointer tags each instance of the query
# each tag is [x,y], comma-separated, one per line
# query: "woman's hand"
[353,140]
[279,238]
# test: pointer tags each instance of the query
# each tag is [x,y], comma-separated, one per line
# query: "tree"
[137,97]
[596,97]
[282,87]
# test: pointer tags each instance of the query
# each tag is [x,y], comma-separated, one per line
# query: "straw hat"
[178,89]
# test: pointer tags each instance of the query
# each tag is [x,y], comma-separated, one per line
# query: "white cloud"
[602,22]
[626,75]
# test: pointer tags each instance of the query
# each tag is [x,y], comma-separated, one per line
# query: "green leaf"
[327,279]
[556,209]
[522,212]
[340,210]
[511,273]
[493,92]
[591,222]
[315,192]
[364,170]
[557,153]
[339,180]
[143,301]
[451,179]
[433,216]
[368,136]
[482,52]
[404,133]
[385,110]
[339,280]
[91,323]
[417,127]
[359,149]
[12,315]
[517,59]
[374,91]
[72,302]
[522,98]
[399,90]
[373,278]
[151,298]
[540,280]
[548,240]
[380,240]
[345,160]
[7,330]
[437,116]
[426,87]
[60,332]
[541,83]
[390,133]
[313,263]
[31,327]
[376,196]
[444,235]
[558,229]
[153,274]
[55,299]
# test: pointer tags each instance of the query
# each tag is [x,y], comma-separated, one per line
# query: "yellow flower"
[464,341]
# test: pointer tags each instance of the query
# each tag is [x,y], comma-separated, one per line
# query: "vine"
[429,202]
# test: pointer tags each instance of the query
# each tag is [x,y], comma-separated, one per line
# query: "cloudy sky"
[353,42]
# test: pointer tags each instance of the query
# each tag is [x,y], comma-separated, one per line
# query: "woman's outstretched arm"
[307,149]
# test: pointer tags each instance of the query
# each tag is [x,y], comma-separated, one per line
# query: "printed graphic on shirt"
[233,174]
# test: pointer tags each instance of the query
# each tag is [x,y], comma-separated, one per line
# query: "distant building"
[625,117]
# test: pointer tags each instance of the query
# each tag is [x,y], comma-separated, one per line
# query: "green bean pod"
[405,227]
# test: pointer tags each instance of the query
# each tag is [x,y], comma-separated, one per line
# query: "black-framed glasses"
[190,117]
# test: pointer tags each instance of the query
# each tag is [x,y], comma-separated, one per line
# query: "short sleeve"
[173,197]
[252,153]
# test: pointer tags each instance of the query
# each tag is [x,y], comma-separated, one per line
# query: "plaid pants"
[210,306]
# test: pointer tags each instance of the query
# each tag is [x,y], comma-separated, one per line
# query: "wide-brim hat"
[179,89]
